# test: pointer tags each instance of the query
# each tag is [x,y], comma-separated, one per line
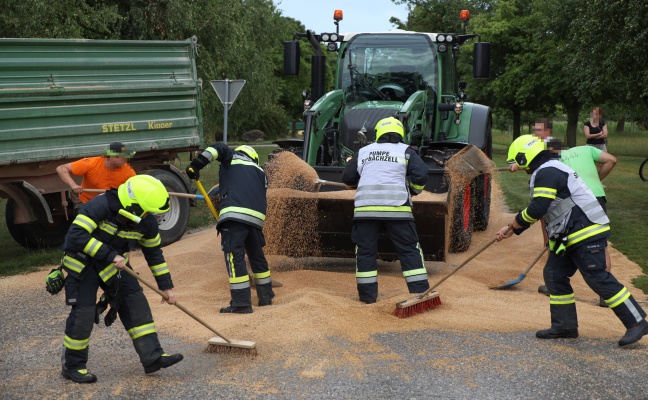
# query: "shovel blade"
[469,163]
[510,283]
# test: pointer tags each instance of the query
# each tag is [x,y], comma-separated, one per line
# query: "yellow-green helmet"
[524,149]
[143,194]
[249,151]
[389,125]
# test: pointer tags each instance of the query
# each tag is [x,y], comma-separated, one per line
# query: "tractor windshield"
[387,66]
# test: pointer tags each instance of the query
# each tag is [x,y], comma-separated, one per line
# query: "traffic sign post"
[227,91]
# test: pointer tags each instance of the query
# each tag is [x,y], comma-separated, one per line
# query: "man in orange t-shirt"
[103,172]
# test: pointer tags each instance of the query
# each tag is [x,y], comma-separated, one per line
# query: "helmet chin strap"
[130,216]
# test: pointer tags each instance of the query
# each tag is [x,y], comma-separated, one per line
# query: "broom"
[218,344]
[430,299]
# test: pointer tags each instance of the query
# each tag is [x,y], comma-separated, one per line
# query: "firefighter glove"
[55,281]
[111,316]
[102,305]
[193,173]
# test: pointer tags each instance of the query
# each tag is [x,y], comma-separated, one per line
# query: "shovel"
[469,163]
[320,182]
[523,274]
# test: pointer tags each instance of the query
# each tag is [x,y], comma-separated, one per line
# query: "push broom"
[430,298]
[217,344]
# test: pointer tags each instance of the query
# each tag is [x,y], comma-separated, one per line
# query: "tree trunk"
[620,125]
[573,108]
[517,117]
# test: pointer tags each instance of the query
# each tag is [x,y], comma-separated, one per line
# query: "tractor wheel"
[172,224]
[37,235]
[461,228]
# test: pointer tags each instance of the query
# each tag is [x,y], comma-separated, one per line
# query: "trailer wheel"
[462,219]
[172,224]
[482,191]
[36,235]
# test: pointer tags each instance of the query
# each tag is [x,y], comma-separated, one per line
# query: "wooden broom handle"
[165,297]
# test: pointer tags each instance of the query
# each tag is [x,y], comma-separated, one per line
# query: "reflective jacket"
[99,233]
[242,187]
[385,174]
[571,211]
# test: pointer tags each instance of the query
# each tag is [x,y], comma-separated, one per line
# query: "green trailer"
[62,100]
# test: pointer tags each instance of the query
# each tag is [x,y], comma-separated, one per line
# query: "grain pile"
[291,219]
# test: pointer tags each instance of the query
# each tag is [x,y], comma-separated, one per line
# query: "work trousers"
[402,234]
[134,313]
[589,259]
[237,239]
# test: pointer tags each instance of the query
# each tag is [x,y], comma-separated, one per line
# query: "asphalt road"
[425,364]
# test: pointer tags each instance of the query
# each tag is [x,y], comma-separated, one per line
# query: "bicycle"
[643,170]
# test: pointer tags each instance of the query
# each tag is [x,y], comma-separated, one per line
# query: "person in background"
[103,172]
[595,130]
[386,173]
[96,249]
[243,186]
[591,164]
[577,228]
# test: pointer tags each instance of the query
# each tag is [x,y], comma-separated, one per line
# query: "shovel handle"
[175,194]
[165,297]
[207,199]
[535,260]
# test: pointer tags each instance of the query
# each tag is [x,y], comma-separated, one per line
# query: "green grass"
[627,203]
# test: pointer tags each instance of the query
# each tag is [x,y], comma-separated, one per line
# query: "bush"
[273,121]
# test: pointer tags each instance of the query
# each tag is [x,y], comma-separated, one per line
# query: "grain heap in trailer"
[411,76]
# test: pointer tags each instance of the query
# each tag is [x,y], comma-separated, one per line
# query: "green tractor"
[411,76]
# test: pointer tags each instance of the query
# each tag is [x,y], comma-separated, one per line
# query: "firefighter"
[386,173]
[578,229]
[96,249]
[242,186]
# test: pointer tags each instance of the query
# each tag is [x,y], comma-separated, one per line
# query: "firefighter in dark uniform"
[386,174]
[578,229]
[96,248]
[242,186]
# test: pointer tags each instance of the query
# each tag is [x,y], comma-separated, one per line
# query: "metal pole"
[226,103]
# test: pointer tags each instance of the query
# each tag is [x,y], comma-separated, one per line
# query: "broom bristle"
[239,351]
[408,311]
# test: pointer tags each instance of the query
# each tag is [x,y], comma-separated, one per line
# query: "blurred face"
[596,113]
[115,162]
[541,131]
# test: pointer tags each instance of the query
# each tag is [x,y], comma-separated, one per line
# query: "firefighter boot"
[265,294]
[634,333]
[553,333]
[164,361]
[78,376]
[236,309]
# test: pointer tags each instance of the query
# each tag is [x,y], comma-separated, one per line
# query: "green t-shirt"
[583,159]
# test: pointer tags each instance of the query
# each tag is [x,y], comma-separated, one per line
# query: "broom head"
[240,347]
[417,305]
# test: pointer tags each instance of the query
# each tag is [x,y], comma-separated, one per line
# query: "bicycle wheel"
[643,171]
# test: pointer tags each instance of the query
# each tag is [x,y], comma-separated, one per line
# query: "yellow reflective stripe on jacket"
[159,269]
[526,217]
[73,264]
[92,247]
[85,222]
[213,152]
[75,344]
[242,210]
[130,235]
[251,164]
[108,272]
[562,299]
[108,228]
[586,233]
[545,192]
[618,298]
[153,242]
[142,330]
[262,275]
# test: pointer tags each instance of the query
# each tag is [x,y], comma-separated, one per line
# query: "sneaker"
[635,333]
[602,302]
[543,289]
[557,334]
[236,310]
[79,375]
[164,361]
